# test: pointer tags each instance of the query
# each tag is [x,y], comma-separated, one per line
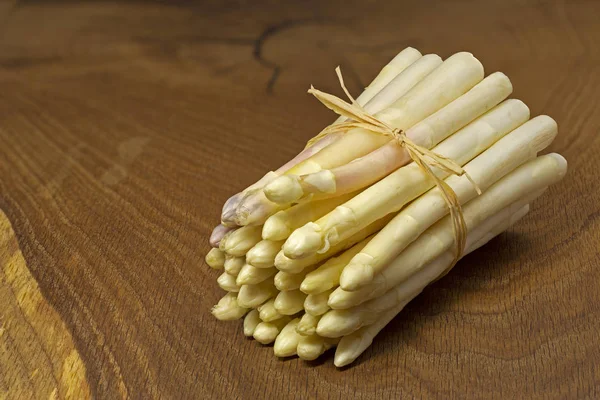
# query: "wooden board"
[125,125]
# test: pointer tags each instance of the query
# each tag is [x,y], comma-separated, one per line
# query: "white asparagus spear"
[228,308]
[227,283]
[374,166]
[405,184]
[287,188]
[327,276]
[238,242]
[352,346]
[290,281]
[252,296]
[308,324]
[250,275]
[215,258]
[316,304]
[231,203]
[284,263]
[528,178]
[218,233]
[233,265]
[290,302]
[451,79]
[262,255]
[279,225]
[519,146]
[375,93]
[311,347]
[254,208]
[267,311]
[337,323]
[251,321]
[230,206]
[287,340]
[266,332]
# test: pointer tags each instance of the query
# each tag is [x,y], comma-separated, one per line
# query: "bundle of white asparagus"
[325,251]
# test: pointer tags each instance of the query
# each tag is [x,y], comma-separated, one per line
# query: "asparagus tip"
[285,189]
[303,241]
[265,333]
[354,276]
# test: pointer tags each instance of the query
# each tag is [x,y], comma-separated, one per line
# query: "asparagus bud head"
[341,299]
[287,341]
[319,182]
[359,270]
[275,228]
[285,189]
[303,241]
[337,323]
[228,309]
[354,345]
[308,325]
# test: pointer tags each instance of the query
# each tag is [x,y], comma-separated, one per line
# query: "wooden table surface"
[125,125]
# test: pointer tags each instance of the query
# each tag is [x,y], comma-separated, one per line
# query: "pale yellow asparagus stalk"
[251,321]
[311,347]
[290,281]
[238,242]
[316,304]
[451,79]
[287,264]
[287,188]
[250,275]
[267,311]
[266,332]
[394,191]
[233,265]
[290,302]
[521,145]
[215,258]
[287,340]
[252,296]
[352,346]
[255,208]
[279,225]
[528,178]
[327,276]
[228,308]
[227,283]
[374,94]
[337,323]
[308,324]
[262,255]
[231,203]
[228,214]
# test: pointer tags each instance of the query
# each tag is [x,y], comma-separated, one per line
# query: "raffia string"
[423,157]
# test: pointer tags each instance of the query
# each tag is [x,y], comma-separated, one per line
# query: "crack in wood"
[268,33]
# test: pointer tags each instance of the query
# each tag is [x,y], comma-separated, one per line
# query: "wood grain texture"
[125,125]
[38,358]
